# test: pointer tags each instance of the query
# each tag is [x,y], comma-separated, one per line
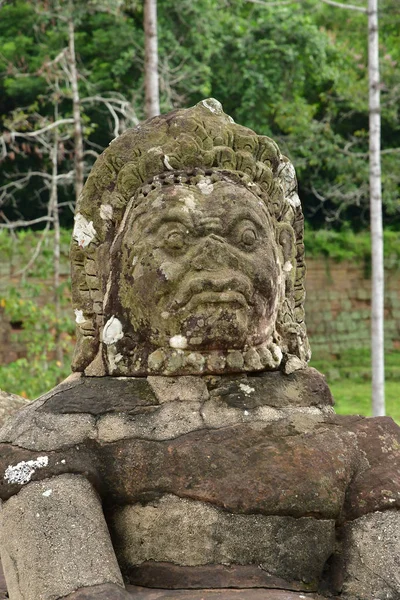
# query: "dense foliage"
[297,72]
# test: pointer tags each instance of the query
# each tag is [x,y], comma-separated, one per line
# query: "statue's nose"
[210,254]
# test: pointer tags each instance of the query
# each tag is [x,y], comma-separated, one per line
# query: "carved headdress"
[196,146]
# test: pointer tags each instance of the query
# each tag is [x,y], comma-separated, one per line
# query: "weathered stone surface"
[244,468]
[107,591]
[376,486]
[306,387]
[370,560]
[164,422]
[182,389]
[141,593]
[3,585]
[9,404]
[171,576]
[19,466]
[66,540]
[190,533]
[98,395]
[42,432]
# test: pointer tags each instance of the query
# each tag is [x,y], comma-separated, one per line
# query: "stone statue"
[193,449]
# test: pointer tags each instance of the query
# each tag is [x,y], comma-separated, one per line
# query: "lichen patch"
[112,331]
[106,212]
[179,342]
[213,106]
[205,186]
[247,389]
[287,267]
[22,472]
[84,231]
[79,318]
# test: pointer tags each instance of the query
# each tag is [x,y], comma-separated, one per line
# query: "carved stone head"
[188,252]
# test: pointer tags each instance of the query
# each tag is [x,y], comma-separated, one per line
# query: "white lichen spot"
[106,212]
[294,200]
[83,232]
[79,318]
[134,261]
[22,472]
[112,331]
[205,186]
[213,106]
[63,461]
[189,202]
[178,342]
[47,493]
[37,515]
[165,314]
[167,163]
[287,267]
[155,150]
[246,388]
[246,412]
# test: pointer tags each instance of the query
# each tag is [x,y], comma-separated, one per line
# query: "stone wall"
[337,309]
[338,306]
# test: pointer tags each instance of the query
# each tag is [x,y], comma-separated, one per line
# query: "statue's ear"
[287,242]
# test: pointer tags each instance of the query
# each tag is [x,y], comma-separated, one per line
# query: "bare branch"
[91,153]
[268,4]
[36,251]
[15,224]
[341,5]
[33,134]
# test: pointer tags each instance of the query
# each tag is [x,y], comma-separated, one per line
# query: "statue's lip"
[209,297]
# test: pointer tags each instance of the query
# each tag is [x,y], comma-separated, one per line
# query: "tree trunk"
[78,138]
[56,246]
[377,306]
[152,101]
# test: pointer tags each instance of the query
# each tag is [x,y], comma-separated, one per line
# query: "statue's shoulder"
[376,484]
[35,428]
[68,413]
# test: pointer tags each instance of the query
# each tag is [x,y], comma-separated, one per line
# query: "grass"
[349,377]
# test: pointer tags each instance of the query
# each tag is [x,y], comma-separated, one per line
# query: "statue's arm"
[55,543]
[367,564]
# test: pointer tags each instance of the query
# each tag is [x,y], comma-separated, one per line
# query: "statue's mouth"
[235,299]
[206,290]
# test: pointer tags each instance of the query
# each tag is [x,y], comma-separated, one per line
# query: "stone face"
[187,255]
[76,549]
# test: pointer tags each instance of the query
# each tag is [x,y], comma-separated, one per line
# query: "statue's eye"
[175,240]
[249,237]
